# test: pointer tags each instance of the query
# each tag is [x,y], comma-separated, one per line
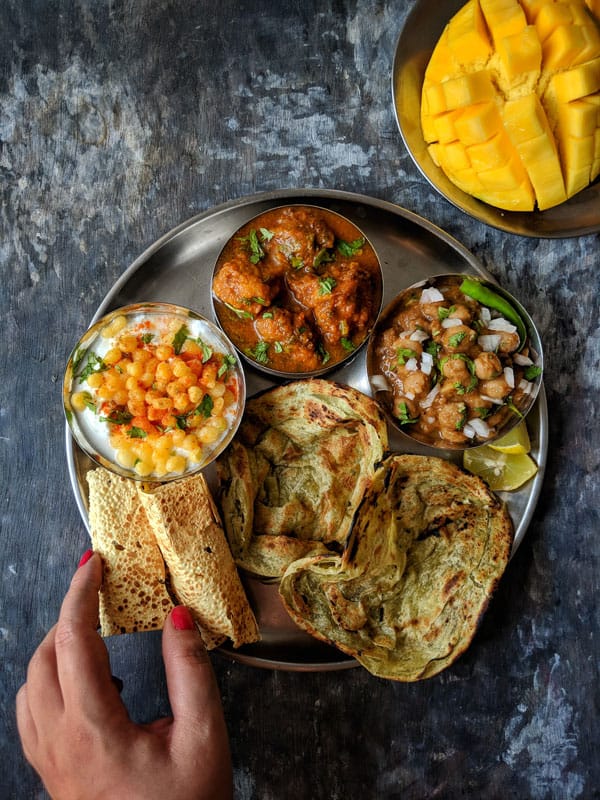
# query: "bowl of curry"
[455,362]
[298,290]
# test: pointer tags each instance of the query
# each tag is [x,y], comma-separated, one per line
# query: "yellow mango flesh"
[511,101]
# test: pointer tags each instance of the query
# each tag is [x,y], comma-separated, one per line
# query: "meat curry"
[297,289]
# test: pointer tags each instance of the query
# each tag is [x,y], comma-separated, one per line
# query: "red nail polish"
[85,557]
[182,619]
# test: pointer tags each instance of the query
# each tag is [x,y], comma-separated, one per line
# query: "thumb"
[193,691]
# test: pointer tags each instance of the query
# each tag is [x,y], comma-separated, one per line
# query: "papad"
[202,572]
[133,596]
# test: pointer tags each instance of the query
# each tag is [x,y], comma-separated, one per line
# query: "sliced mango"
[511,100]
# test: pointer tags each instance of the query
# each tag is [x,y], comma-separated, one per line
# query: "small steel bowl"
[230,319]
[153,323]
[578,216]
[381,387]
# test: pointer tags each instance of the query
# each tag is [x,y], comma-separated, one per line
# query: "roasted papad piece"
[296,471]
[428,546]
[133,596]
[202,572]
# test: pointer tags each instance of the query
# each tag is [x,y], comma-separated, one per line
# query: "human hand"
[75,729]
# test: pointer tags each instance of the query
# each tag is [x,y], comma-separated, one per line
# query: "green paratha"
[427,548]
[296,472]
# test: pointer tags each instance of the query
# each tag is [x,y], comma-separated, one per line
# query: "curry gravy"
[297,289]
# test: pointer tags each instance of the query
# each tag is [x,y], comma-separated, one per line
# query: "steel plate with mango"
[196,494]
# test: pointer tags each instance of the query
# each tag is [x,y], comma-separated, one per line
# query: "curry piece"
[455,369]
[297,288]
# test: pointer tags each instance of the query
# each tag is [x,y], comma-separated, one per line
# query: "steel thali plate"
[178,269]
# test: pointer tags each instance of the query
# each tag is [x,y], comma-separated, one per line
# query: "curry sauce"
[297,289]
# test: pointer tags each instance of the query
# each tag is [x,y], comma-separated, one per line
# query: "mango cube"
[478,123]
[467,37]
[520,53]
[474,87]
[503,17]
[577,82]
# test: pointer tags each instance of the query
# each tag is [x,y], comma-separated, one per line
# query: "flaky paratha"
[133,596]
[428,546]
[296,471]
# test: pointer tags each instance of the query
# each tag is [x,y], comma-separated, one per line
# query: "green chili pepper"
[489,298]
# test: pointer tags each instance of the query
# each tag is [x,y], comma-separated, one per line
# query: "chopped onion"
[426,363]
[479,427]
[521,360]
[418,336]
[431,295]
[409,396]
[451,322]
[509,376]
[485,314]
[411,365]
[468,431]
[501,324]
[489,342]
[380,383]
[428,400]
[493,400]
[526,386]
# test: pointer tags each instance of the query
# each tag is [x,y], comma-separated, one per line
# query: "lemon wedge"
[503,472]
[516,441]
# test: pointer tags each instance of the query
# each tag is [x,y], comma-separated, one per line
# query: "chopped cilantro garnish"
[456,338]
[403,354]
[278,347]
[239,312]
[94,364]
[325,356]
[228,361]
[460,423]
[403,414]
[349,249]
[260,352]
[179,338]
[532,372]
[347,344]
[322,257]
[118,417]
[147,337]
[326,285]
[266,235]
[136,433]
[296,262]
[256,251]
[205,407]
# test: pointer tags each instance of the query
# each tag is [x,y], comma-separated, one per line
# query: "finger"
[193,692]
[25,723]
[81,656]
[43,686]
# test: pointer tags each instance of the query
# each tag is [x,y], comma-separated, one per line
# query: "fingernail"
[182,619]
[85,557]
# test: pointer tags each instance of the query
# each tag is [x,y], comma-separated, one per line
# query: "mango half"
[510,106]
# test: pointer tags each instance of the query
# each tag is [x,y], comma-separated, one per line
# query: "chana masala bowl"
[455,362]
[297,289]
[153,391]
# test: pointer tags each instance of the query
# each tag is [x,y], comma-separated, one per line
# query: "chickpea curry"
[454,369]
[297,289]
[161,396]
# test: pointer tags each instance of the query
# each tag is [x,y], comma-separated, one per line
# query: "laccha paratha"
[428,546]
[296,471]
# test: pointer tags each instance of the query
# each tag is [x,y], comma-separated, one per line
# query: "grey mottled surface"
[118,121]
